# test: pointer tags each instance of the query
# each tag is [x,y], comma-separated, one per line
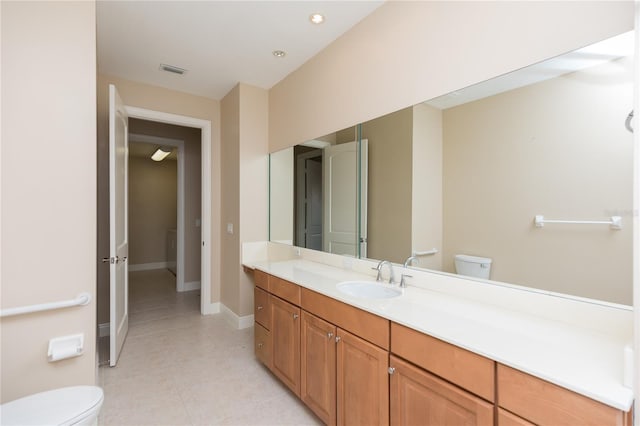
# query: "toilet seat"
[64,406]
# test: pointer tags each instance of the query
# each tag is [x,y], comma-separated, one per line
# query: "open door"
[340,223]
[118,232]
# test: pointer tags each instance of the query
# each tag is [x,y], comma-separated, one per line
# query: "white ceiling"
[220,43]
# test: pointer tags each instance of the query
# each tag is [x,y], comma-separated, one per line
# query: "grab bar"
[615,222]
[426,253]
[82,299]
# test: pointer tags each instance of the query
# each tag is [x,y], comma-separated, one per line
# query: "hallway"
[180,368]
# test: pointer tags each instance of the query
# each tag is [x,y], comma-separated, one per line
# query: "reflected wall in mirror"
[466,174]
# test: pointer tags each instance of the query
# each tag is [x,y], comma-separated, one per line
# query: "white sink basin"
[368,290]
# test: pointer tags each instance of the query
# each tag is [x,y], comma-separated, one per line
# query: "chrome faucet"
[410,259]
[379,269]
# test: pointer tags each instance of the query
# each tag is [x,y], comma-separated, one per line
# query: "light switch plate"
[229,228]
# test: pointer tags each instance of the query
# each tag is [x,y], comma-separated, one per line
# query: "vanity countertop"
[583,360]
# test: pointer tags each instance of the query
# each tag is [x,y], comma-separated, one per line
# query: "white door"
[340,199]
[118,233]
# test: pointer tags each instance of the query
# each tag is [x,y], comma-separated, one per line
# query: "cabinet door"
[420,398]
[362,382]
[318,367]
[285,340]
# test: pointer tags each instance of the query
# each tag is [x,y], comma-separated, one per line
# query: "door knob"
[295,316]
[337,339]
[329,335]
[392,370]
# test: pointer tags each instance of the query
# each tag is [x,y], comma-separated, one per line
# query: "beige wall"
[193,186]
[245,188]
[389,193]
[426,216]
[407,52]
[153,201]
[557,148]
[48,226]
[164,100]
[230,254]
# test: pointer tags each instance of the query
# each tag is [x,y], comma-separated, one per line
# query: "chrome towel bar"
[82,299]
[615,222]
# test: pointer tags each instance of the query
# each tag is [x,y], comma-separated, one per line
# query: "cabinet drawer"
[544,403]
[506,418]
[285,290]
[470,371]
[261,279]
[366,325]
[261,308]
[262,342]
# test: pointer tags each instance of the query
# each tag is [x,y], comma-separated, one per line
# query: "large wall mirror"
[468,172]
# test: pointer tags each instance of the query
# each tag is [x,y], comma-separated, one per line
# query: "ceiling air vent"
[171,68]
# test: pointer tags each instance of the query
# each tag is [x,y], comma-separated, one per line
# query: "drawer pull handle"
[392,370]
[295,316]
[259,308]
[329,335]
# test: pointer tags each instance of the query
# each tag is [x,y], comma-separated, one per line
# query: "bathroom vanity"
[443,352]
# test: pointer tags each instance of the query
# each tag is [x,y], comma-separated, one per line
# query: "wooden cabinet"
[362,382]
[544,403]
[318,367]
[285,342]
[421,398]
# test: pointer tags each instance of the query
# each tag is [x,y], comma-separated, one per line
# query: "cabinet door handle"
[260,345]
[392,370]
[329,335]
[259,308]
[337,339]
[295,316]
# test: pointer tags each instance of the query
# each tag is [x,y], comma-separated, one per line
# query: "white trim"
[190,286]
[212,308]
[206,306]
[236,321]
[103,329]
[148,266]
[180,231]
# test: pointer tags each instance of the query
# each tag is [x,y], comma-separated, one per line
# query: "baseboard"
[192,285]
[210,308]
[236,321]
[104,330]
[148,266]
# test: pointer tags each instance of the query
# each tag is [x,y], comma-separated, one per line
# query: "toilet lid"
[64,406]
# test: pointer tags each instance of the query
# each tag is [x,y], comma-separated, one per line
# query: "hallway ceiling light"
[316,18]
[279,53]
[160,154]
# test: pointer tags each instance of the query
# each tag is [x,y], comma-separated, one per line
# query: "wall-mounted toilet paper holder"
[65,347]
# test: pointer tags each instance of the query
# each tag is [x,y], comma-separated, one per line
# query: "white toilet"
[74,405]
[473,266]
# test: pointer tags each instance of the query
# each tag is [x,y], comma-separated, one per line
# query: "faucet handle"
[379,276]
[403,282]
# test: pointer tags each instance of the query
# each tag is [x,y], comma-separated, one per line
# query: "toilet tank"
[473,266]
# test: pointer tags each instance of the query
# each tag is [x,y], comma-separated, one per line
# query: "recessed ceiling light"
[172,69]
[317,18]
[279,53]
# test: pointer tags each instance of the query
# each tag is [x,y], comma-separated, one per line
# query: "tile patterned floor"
[180,368]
